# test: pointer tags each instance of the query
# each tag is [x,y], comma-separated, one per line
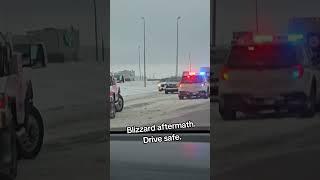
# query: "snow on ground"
[130,88]
[155,109]
[67,84]
[70,96]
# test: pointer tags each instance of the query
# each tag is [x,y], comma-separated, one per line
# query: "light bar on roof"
[263,38]
[295,37]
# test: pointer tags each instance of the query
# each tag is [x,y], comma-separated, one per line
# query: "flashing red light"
[2,101]
[298,71]
[224,75]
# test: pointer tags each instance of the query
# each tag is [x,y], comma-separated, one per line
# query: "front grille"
[171,86]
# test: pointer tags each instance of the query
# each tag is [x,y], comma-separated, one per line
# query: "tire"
[309,109]
[27,149]
[181,97]
[12,171]
[227,114]
[120,103]
[165,91]
[112,110]
[206,96]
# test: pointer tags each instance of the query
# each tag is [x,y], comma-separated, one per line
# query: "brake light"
[298,71]
[3,101]
[224,73]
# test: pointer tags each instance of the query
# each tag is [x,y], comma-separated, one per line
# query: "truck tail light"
[224,75]
[3,101]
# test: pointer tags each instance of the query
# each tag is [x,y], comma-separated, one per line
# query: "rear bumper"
[172,89]
[189,93]
[248,103]
[6,149]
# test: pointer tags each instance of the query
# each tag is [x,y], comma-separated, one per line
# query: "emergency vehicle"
[270,73]
[193,85]
[21,124]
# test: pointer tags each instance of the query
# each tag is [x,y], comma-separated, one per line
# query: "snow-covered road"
[146,106]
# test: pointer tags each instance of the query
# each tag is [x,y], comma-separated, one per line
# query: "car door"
[312,66]
[115,88]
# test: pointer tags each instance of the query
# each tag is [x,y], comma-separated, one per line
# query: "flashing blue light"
[295,37]
[202,73]
[296,74]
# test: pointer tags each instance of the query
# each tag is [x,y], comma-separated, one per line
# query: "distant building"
[128,75]
[61,44]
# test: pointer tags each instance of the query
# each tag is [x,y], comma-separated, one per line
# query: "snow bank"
[67,84]
[130,88]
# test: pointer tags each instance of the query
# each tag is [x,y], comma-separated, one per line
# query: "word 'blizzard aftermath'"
[162,127]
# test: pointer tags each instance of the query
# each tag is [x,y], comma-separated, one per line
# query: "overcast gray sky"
[126,30]
[19,15]
[235,15]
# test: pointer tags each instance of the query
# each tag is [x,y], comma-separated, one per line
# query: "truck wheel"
[13,169]
[181,97]
[309,109]
[112,110]
[227,114]
[30,145]
[119,104]
[165,91]
[206,96]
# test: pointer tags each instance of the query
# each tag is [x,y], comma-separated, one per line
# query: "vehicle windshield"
[193,79]
[263,56]
[152,93]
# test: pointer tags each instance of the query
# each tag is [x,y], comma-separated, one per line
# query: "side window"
[303,56]
[34,54]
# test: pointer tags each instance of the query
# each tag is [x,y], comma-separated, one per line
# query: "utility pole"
[257,16]
[102,46]
[144,51]
[189,62]
[140,75]
[96,28]
[214,14]
[177,56]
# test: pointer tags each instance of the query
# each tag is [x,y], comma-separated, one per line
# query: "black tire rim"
[32,134]
[312,100]
[119,104]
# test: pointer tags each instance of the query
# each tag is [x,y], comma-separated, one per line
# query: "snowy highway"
[73,109]
[282,144]
[147,106]
[71,99]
